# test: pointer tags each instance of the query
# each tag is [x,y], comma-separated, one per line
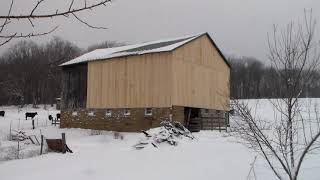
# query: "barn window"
[91,113]
[127,112]
[220,113]
[148,111]
[108,112]
[75,113]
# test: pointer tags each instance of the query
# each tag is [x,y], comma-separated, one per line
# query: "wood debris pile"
[169,132]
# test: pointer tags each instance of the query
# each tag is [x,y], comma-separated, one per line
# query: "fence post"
[10,135]
[18,150]
[41,148]
[63,143]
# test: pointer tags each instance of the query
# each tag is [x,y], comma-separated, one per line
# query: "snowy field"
[98,155]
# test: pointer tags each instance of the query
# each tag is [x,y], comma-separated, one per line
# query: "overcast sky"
[239,27]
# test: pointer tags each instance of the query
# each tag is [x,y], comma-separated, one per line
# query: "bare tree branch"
[94,27]
[29,35]
[16,35]
[71,5]
[38,3]
[8,40]
[32,16]
[294,134]
[6,19]
[69,11]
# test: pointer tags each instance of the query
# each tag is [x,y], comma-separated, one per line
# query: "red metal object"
[55,145]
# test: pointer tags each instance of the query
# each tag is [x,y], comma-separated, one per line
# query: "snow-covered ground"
[97,155]
[15,120]
[16,117]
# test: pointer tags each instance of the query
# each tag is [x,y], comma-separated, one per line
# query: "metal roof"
[155,45]
[137,49]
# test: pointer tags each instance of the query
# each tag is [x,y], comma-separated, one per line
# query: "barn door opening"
[192,119]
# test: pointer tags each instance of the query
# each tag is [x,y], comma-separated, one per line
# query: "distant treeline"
[250,78]
[30,73]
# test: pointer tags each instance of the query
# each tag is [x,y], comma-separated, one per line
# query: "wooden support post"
[219,121]
[33,124]
[188,119]
[41,148]
[227,120]
[63,143]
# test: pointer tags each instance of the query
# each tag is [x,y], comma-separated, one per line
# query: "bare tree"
[246,77]
[250,78]
[69,11]
[57,51]
[105,44]
[285,142]
[30,72]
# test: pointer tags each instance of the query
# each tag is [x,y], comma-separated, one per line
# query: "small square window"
[127,112]
[148,111]
[91,113]
[108,112]
[74,113]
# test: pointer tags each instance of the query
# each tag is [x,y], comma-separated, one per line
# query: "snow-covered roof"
[136,49]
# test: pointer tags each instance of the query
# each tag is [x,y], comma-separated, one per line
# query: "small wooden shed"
[135,87]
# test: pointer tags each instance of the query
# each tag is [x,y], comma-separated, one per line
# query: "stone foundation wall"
[118,121]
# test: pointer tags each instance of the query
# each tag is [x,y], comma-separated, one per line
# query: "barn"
[135,87]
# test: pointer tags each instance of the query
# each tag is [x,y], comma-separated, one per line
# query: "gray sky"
[238,27]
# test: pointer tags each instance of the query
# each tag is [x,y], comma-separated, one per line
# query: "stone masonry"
[99,119]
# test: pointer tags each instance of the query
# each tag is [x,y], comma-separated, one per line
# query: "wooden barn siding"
[74,82]
[201,77]
[132,82]
[193,75]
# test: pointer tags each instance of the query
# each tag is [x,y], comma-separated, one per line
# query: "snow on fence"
[23,146]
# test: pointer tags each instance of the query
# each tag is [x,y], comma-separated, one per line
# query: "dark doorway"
[192,119]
